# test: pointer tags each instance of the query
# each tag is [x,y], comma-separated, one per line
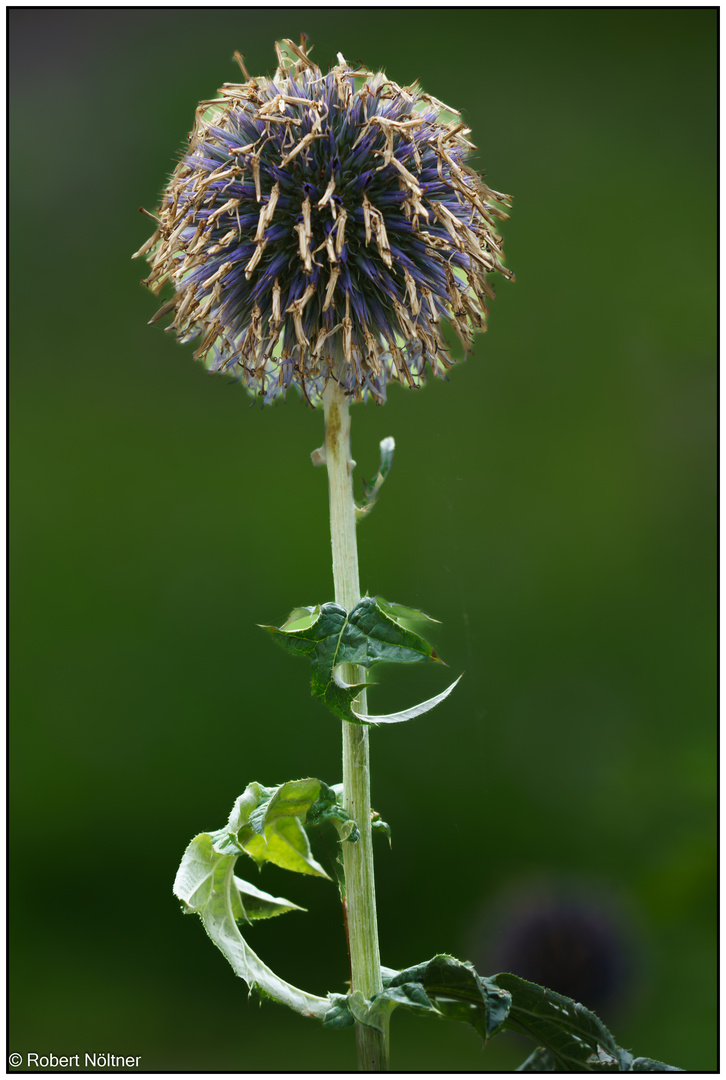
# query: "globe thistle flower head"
[326,226]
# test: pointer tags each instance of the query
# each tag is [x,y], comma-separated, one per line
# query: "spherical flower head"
[326,226]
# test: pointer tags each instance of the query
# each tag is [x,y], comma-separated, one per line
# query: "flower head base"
[323,226]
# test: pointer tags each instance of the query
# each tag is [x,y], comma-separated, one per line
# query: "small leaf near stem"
[371,489]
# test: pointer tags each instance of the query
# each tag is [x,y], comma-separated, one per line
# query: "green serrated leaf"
[267,824]
[339,698]
[301,619]
[275,832]
[206,884]
[256,904]
[570,1037]
[573,1036]
[316,632]
[464,1013]
[375,631]
[442,987]
[444,977]
[371,635]
[412,995]
[457,982]
[402,614]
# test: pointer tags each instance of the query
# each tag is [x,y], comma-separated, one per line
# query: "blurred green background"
[553,506]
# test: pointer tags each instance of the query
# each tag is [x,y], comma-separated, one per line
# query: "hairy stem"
[365,960]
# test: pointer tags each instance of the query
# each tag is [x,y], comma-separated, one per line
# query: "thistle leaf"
[458,992]
[205,882]
[375,631]
[403,614]
[442,987]
[269,825]
[257,904]
[571,1038]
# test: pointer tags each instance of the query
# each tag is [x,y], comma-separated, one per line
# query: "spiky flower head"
[326,226]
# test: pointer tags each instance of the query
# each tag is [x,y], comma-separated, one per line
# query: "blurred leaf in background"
[554,505]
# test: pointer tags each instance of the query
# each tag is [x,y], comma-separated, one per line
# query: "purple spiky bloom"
[324,226]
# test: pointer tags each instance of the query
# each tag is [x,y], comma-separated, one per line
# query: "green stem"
[360,898]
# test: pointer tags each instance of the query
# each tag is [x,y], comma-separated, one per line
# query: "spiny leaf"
[316,632]
[442,987]
[571,1038]
[267,823]
[257,904]
[457,984]
[373,632]
[402,614]
[205,882]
